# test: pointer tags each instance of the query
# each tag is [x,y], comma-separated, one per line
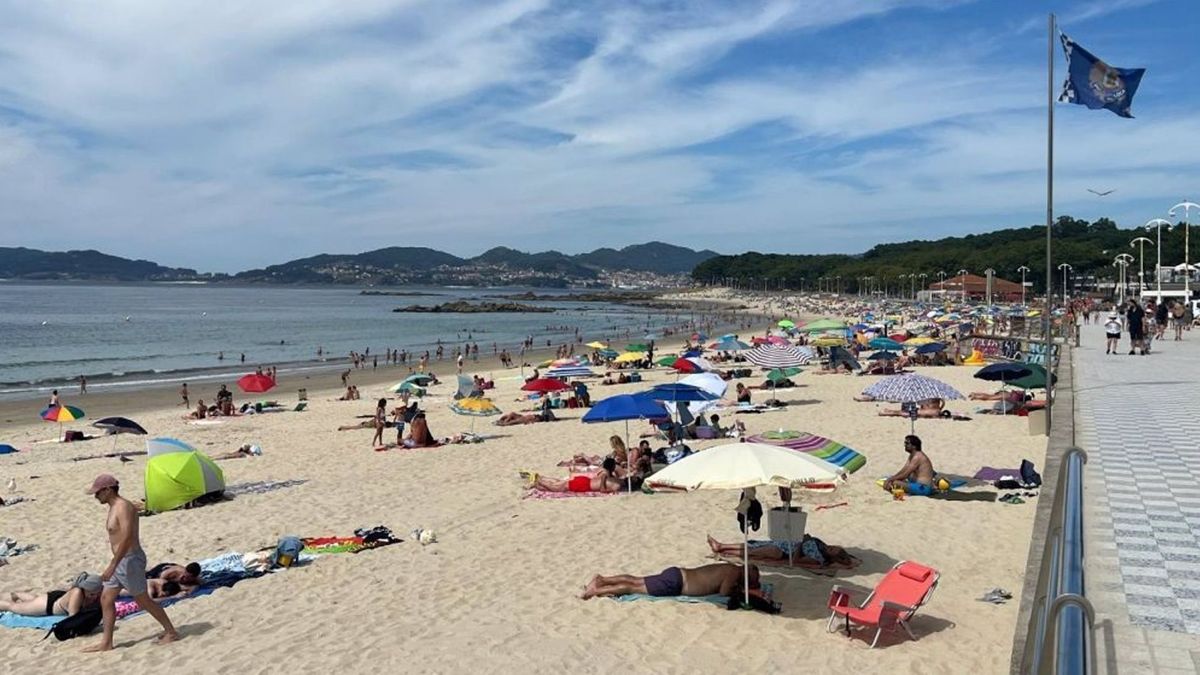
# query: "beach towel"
[719,600]
[991,474]
[262,486]
[914,491]
[10,620]
[544,494]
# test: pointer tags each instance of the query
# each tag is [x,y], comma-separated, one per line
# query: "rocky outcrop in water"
[464,307]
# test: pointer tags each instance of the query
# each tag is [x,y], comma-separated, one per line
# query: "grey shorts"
[130,574]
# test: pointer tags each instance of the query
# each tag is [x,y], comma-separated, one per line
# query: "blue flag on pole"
[1096,84]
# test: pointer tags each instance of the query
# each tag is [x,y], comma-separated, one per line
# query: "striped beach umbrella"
[778,356]
[818,446]
[62,413]
[570,371]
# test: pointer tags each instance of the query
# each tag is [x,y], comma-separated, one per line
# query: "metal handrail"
[1063,619]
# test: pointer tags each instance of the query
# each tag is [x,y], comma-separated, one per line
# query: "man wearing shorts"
[716,579]
[1112,333]
[128,567]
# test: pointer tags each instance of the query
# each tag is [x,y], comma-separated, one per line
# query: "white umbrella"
[710,382]
[736,466]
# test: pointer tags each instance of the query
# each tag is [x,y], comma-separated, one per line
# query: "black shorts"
[1113,336]
[667,583]
[51,598]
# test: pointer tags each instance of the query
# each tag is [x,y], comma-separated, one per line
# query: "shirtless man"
[183,393]
[128,566]
[187,576]
[715,579]
[916,476]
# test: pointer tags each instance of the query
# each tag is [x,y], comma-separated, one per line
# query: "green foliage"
[1088,247]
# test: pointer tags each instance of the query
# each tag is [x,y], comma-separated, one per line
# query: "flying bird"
[1101,194]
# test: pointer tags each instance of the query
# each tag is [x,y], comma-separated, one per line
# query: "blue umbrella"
[622,408]
[6,449]
[675,392]
[885,343]
[911,388]
[931,348]
[882,356]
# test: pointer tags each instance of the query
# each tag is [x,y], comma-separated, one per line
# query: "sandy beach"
[501,584]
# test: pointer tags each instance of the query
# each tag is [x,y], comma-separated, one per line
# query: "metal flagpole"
[1046,314]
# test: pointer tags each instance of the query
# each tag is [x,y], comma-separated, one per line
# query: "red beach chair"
[894,601]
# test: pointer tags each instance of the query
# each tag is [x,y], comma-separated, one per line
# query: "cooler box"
[786,525]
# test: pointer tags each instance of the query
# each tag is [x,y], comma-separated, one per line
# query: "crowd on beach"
[625,466]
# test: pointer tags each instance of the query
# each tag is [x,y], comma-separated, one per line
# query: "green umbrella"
[1034,380]
[823,325]
[786,323]
[176,478]
[777,374]
[636,347]
[667,360]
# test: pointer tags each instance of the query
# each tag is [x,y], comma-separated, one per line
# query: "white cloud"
[222,138]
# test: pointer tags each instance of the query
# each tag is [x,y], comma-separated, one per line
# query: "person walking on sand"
[183,393]
[128,566]
[380,422]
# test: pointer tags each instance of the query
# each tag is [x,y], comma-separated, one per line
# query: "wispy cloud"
[171,130]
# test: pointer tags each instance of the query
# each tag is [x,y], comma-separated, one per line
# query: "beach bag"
[1029,476]
[286,552]
[82,623]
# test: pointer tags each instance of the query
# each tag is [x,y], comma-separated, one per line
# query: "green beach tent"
[176,478]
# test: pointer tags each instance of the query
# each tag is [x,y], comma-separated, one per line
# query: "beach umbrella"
[630,357]
[931,348]
[62,413]
[675,392]
[608,353]
[622,408]
[839,355]
[166,446]
[1035,380]
[685,366]
[828,341]
[777,374]
[786,323]
[849,459]
[419,379]
[570,371]
[821,325]
[885,343]
[545,385]
[597,345]
[729,344]
[737,466]
[709,382]
[636,347]
[475,407]
[6,449]
[176,478]
[115,426]
[406,386]
[911,388]
[778,356]
[668,360]
[1003,372]
[883,356]
[255,383]
[699,337]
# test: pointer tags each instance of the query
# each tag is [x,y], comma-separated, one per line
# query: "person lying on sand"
[187,576]
[927,409]
[1013,395]
[714,579]
[604,480]
[839,369]
[809,551]
[83,593]
[246,450]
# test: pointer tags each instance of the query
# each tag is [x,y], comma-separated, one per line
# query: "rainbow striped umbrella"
[62,413]
[818,446]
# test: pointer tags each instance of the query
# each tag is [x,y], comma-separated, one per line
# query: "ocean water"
[140,334]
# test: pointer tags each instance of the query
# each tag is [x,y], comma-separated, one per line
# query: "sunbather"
[927,409]
[247,450]
[83,593]
[604,480]
[419,435]
[715,579]
[1014,395]
[187,576]
[809,551]
[515,418]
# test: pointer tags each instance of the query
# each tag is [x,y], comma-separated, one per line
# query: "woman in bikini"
[84,592]
[604,480]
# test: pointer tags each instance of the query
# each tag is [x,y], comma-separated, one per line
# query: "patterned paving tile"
[1141,428]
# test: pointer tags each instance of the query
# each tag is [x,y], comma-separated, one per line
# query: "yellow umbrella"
[630,357]
[919,340]
[828,342]
[597,345]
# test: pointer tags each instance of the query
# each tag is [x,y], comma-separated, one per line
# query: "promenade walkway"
[1138,417]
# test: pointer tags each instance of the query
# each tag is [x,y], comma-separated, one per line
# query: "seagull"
[12,484]
[1101,194]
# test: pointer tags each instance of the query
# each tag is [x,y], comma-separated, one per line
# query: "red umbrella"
[686,366]
[256,383]
[545,384]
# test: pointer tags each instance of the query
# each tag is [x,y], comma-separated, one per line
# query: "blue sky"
[236,137]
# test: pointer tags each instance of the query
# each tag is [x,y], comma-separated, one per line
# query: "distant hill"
[382,265]
[549,262]
[32,264]
[652,257]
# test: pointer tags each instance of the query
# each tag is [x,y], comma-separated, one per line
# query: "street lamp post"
[1124,259]
[1023,270]
[962,276]
[1065,268]
[1187,267]
[1140,243]
[1157,224]
[922,276]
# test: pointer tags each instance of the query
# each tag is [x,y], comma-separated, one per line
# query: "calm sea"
[140,334]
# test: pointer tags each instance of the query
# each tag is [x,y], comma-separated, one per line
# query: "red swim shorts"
[580,484]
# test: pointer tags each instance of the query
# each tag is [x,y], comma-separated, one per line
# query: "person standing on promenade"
[128,566]
[1134,323]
